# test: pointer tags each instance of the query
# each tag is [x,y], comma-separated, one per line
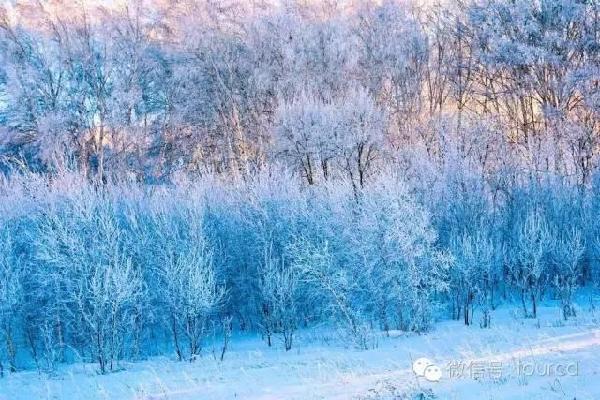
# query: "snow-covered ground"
[557,361]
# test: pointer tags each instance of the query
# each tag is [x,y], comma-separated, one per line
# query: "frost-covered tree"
[294,55]
[473,275]
[567,252]
[190,287]
[392,60]
[106,299]
[97,284]
[279,283]
[347,132]
[536,59]
[528,270]
[192,294]
[395,243]
[305,133]
[335,286]
[11,298]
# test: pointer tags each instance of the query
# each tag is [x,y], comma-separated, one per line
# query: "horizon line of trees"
[506,89]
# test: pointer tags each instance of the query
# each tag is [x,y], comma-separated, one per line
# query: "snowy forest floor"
[476,364]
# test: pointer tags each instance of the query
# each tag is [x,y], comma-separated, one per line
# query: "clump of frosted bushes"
[125,271]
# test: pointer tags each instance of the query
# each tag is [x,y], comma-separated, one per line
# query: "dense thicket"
[125,270]
[179,170]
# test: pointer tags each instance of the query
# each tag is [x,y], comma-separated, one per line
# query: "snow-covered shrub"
[334,286]
[96,284]
[189,286]
[11,297]
[473,274]
[567,252]
[528,265]
[394,244]
[279,283]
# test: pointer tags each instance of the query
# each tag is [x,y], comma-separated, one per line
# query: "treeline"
[508,89]
[124,271]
